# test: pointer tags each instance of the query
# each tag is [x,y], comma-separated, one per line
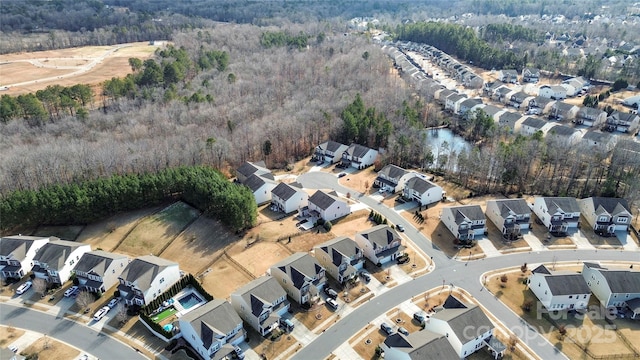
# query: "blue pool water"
[188,301]
[168,327]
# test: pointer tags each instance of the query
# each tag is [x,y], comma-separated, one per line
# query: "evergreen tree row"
[52,102]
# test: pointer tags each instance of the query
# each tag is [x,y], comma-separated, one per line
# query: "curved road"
[464,275]
[82,337]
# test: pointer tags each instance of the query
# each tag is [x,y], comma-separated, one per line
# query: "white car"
[23,288]
[71,291]
[113,303]
[101,313]
[13,348]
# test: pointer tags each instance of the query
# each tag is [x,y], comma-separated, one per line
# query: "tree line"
[499,32]
[87,201]
[52,103]
[364,126]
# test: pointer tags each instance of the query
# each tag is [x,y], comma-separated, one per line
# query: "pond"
[444,142]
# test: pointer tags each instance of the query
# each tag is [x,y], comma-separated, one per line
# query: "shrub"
[504,278]
[328,225]
[116,293]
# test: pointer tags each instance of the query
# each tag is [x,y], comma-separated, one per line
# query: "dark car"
[386,328]
[400,228]
[420,316]
[365,275]
[403,259]
[330,292]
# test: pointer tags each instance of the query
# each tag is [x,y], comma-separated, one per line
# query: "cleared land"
[8,335]
[224,278]
[47,348]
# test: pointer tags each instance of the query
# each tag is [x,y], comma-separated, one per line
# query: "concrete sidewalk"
[487,247]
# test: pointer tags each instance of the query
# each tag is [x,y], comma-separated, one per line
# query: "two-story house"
[614,288]
[507,121]
[17,253]
[598,140]
[489,88]
[251,168]
[213,329]
[289,197]
[467,107]
[555,92]
[301,276]
[543,104]
[530,75]
[563,135]
[623,122]
[341,257]
[55,260]
[559,291]
[453,102]
[261,303]
[326,206]
[442,94]
[530,125]
[520,100]
[563,111]
[359,157]
[589,116]
[423,191]
[466,327]
[380,244]
[503,94]
[606,215]
[393,178]
[98,270]
[508,76]
[145,278]
[330,151]
[558,214]
[261,187]
[511,216]
[465,221]
[423,344]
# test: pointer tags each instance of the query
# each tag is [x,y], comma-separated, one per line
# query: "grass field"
[164,314]
[63,232]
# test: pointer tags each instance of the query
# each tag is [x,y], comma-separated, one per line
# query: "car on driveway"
[386,328]
[101,313]
[400,228]
[365,275]
[342,174]
[238,353]
[71,291]
[403,331]
[13,348]
[332,303]
[113,302]
[420,316]
[23,288]
[330,292]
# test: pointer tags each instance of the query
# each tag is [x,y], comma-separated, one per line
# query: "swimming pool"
[190,300]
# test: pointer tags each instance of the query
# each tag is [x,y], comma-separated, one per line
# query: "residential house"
[520,100]
[558,214]
[623,122]
[55,260]
[145,278]
[380,244]
[251,168]
[261,303]
[614,288]
[465,221]
[563,135]
[530,75]
[423,345]
[97,271]
[422,191]
[606,215]
[442,94]
[511,216]
[472,81]
[261,187]
[490,88]
[330,151]
[213,330]
[503,94]
[453,102]
[544,104]
[492,111]
[326,206]
[17,253]
[300,275]
[590,117]
[467,105]
[359,157]
[559,290]
[599,140]
[570,89]
[508,76]
[289,197]
[579,83]
[393,178]
[507,120]
[466,327]
[340,257]
[555,92]
[530,125]
[430,92]
[563,111]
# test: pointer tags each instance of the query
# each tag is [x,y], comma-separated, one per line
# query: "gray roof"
[563,106]
[494,85]
[380,235]
[561,130]
[567,284]
[422,345]
[17,245]
[542,101]
[609,205]
[419,184]
[143,270]
[97,261]
[541,270]
[55,253]
[520,96]
[456,97]
[262,291]
[617,115]
[284,191]
[469,103]
[517,206]
[255,182]
[341,245]
[532,71]
[510,118]
[585,110]
[357,150]
[534,122]
[510,72]
[298,267]
[393,171]
[331,146]
[249,168]
[212,320]
[491,110]
[503,91]
[555,88]
[566,204]
[445,93]
[466,212]
[323,200]
[622,281]
[597,136]
[463,319]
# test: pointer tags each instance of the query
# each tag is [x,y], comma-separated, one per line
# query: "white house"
[341,257]
[261,303]
[417,345]
[422,191]
[380,244]
[453,102]
[530,75]
[589,116]
[508,76]
[614,288]
[510,216]
[326,206]
[289,197]
[623,122]
[145,278]
[555,92]
[359,157]
[251,168]
[261,187]
[393,178]
[606,215]
[465,221]
[559,291]
[529,125]
[563,135]
[212,330]
[17,253]
[300,275]
[466,327]
[55,260]
[97,271]
[330,151]
[558,214]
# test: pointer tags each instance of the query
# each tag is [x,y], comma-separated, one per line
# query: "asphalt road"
[447,271]
[95,343]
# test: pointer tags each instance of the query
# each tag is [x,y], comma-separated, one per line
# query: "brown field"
[267,348]
[366,347]
[313,317]
[306,242]
[9,334]
[63,232]
[352,223]
[358,181]
[48,348]
[258,257]
[44,68]
[495,236]
[224,279]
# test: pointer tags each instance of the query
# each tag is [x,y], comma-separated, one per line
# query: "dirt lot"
[40,66]
[48,348]
[352,223]
[225,277]
[258,257]
[361,181]
[270,349]
[8,335]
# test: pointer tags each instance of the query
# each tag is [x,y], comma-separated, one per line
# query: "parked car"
[13,348]
[403,331]
[71,291]
[365,275]
[420,316]
[342,174]
[113,302]
[332,303]
[386,328]
[330,292]
[287,324]
[403,259]
[238,353]
[23,288]
[400,228]
[101,313]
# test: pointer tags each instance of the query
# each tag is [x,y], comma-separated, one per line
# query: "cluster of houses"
[562,291]
[512,217]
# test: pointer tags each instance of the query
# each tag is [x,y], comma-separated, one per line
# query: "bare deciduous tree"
[40,286]
[83,300]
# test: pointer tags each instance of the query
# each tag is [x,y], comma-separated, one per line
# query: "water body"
[444,142]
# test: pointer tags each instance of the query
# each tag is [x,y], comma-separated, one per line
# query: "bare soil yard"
[267,348]
[9,334]
[225,277]
[48,348]
[352,223]
[258,257]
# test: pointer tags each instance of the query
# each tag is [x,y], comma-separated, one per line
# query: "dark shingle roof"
[567,284]
[143,270]
[541,270]
[17,245]
[585,110]
[419,184]
[622,281]
[517,206]
[567,204]
[469,103]
[534,122]
[343,246]
[97,261]
[322,200]
[284,191]
[357,150]
[393,171]
[610,205]
[262,291]
[215,319]
[463,319]
[331,146]
[491,110]
[249,168]
[596,136]
[464,212]
[452,302]
[563,106]
[422,345]
[255,182]
[456,97]
[562,130]
[298,267]
[542,101]
[54,253]
[380,236]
